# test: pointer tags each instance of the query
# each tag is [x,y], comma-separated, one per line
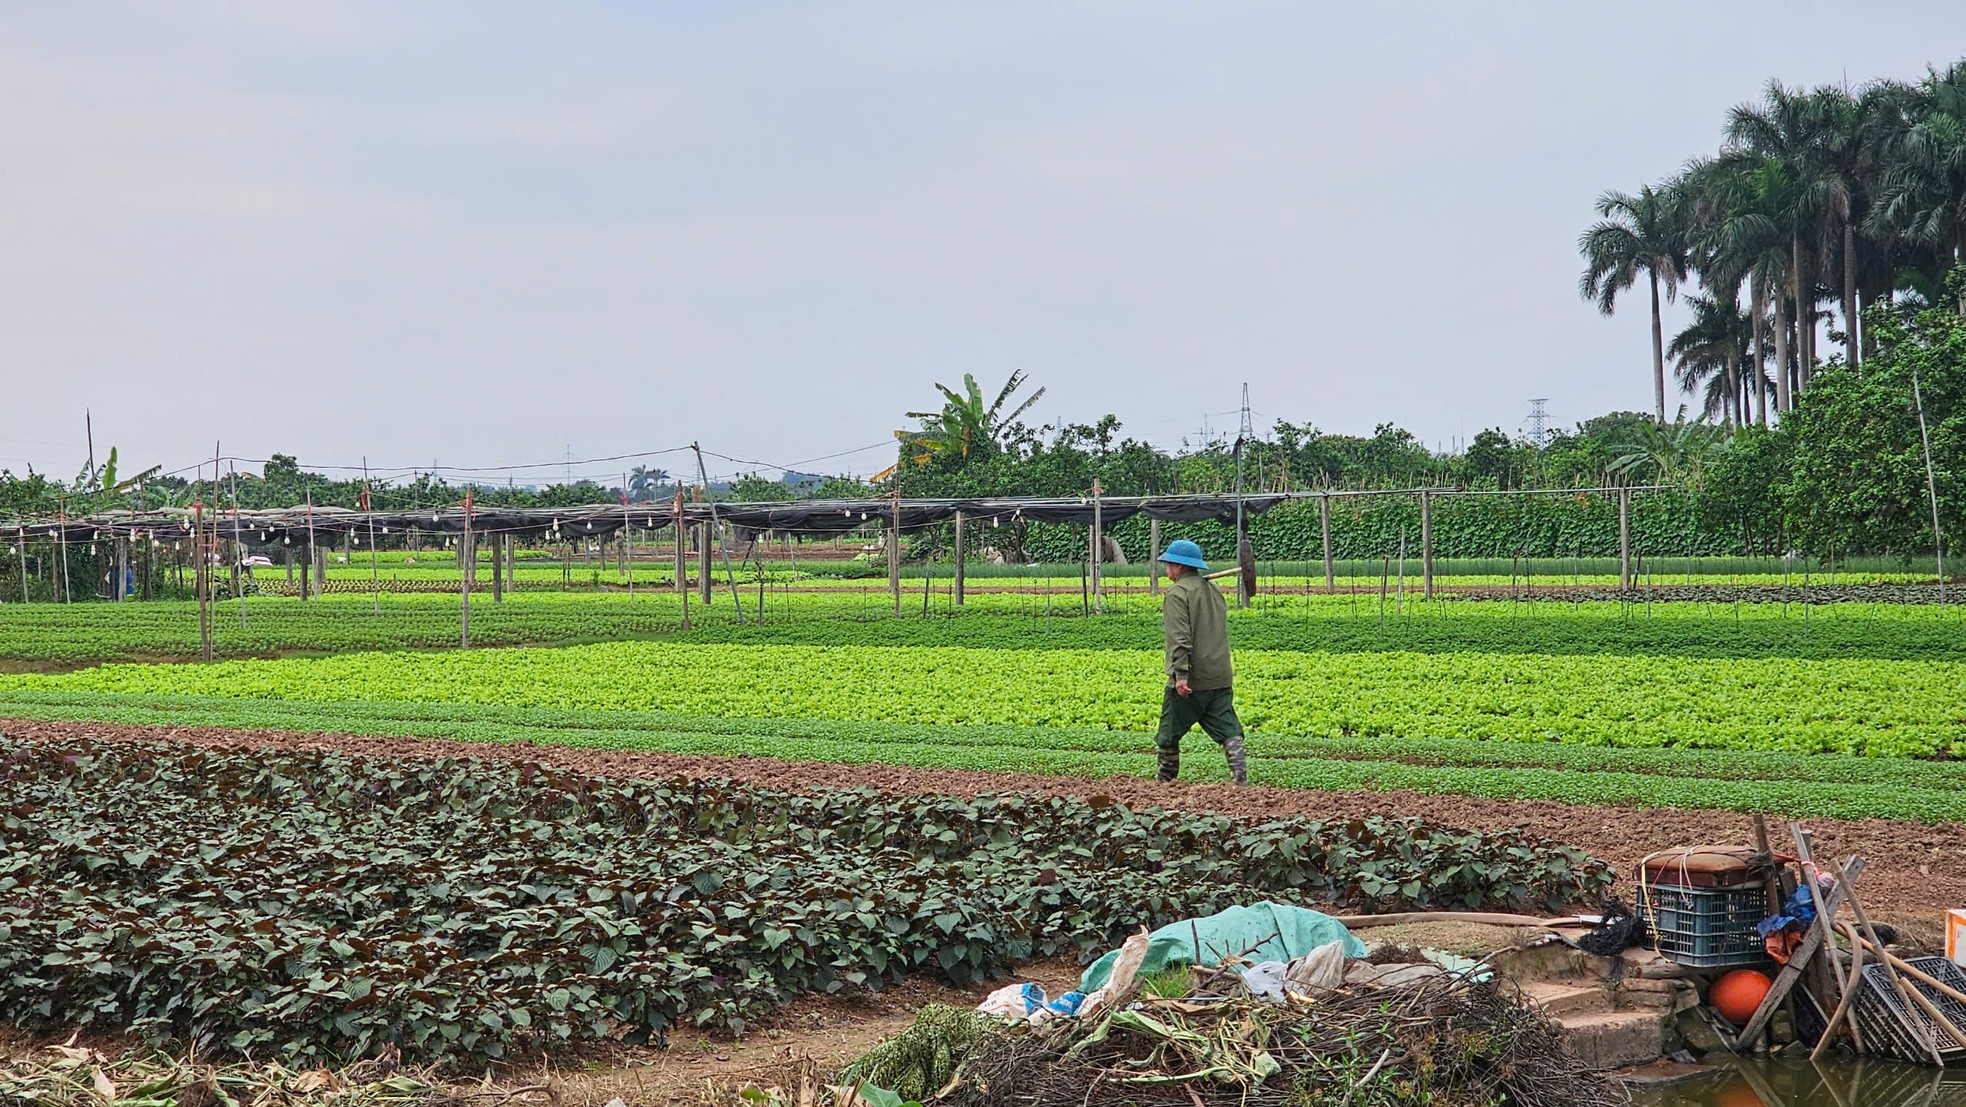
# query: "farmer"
[1199,676]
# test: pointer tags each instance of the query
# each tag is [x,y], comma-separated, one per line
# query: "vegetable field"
[1860,706]
[321,906]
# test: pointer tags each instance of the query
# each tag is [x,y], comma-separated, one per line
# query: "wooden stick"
[1922,977]
[1850,987]
[1825,970]
[1910,993]
[1791,972]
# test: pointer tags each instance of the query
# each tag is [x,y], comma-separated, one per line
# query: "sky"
[494,234]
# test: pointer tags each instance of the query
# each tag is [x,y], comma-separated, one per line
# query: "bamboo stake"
[470,554]
[375,572]
[723,541]
[1324,525]
[1427,543]
[682,563]
[1098,599]
[960,554]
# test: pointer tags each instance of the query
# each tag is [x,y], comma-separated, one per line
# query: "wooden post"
[512,561]
[498,555]
[1324,524]
[1153,556]
[959,559]
[682,550]
[122,591]
[682,556]
[201,580]
[1427,544]
[469,552]
[1624,539]
[1798,961]
[703,563]
[1098,549]
[20,556]
[375,569]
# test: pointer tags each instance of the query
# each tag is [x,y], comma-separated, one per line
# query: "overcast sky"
[480,234]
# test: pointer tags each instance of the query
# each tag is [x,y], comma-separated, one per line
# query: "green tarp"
[1261,932]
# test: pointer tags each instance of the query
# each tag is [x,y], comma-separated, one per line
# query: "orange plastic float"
[1738,994]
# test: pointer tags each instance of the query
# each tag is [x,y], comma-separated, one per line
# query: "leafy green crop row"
[56,634]
[324,906]
[1874,708]
[1804,785]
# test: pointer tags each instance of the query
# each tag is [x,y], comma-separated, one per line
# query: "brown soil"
[1913,871]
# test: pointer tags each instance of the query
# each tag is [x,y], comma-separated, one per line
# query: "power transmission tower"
[1539,422]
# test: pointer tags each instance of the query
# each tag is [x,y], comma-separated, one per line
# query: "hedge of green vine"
[1546,525]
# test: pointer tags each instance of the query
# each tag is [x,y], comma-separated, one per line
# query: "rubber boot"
[1170,763]
[1238,765]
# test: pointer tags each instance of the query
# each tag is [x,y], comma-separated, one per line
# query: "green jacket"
[1196,620]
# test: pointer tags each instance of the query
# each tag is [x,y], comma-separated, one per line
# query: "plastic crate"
[1705,928]
[1887,1020]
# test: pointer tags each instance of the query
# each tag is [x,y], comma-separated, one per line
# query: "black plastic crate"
[1887,1020]
[1705,928]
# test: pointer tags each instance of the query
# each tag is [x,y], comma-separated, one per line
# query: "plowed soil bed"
[1914,871]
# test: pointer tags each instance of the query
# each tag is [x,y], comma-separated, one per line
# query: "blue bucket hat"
[1183,552]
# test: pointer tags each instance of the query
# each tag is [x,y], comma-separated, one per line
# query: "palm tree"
[1787,129]
[1921,187]
[1736,235]
[965,425]
[1716,350]
[1642,233]
[644,483]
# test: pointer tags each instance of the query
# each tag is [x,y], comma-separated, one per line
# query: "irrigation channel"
[1792,1082]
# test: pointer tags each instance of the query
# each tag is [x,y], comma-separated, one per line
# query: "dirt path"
[1914,872]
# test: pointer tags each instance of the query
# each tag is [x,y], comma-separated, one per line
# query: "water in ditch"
[1785,1082]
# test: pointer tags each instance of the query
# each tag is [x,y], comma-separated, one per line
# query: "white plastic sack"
[1322,969]
[1266,981]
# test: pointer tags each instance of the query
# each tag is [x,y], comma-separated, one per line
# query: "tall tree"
[1637,234]
[1713,358]
[1922,179]
[1783,128]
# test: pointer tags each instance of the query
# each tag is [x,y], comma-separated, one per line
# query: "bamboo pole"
[1324,524]
[1624,540]
[375,571]
[682,562]
[723,540]
[627,546]
[1427,544]
[704,581]
[1153,556]
[1097,550]
[959,559]
[682,550]
[470,554]
[894,547]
